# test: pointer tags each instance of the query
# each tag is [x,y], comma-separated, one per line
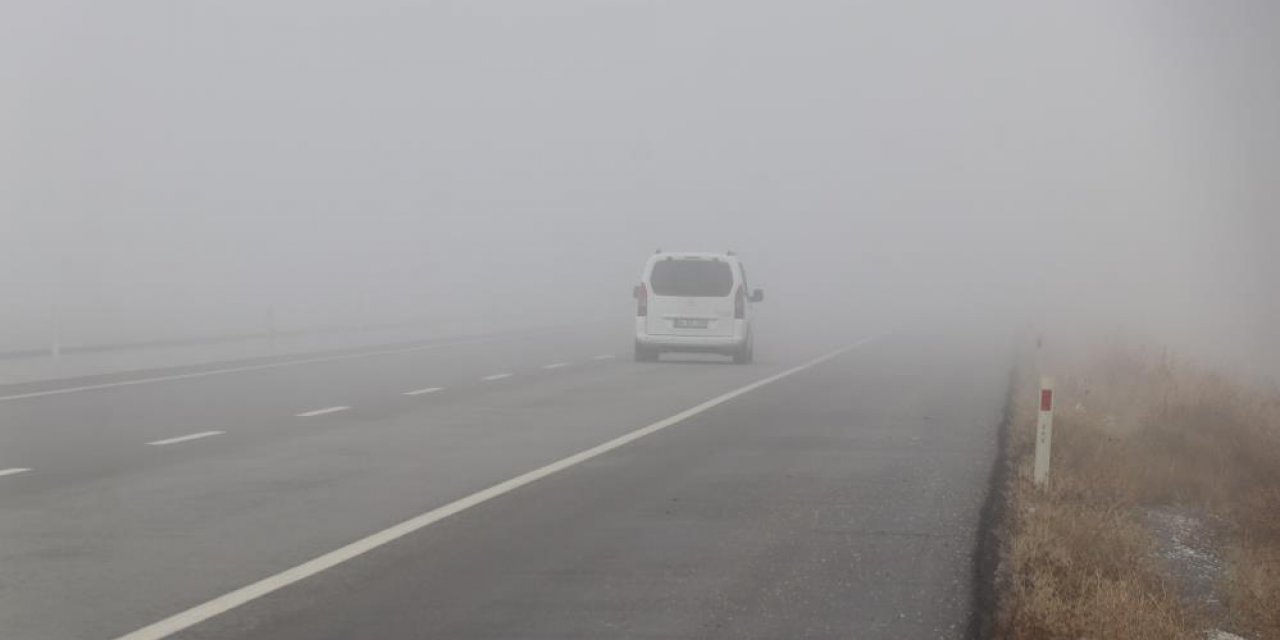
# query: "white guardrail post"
[1044,432]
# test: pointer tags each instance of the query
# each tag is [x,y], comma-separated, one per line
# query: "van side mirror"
[757,295]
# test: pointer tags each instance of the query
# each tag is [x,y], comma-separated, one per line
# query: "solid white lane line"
[226,602]
[603,356]
[320,412]
[9,472]
[556,365]
[418,392]
[256,367]
[496,376]
[193,436]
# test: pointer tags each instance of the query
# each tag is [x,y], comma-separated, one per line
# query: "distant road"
[839,500]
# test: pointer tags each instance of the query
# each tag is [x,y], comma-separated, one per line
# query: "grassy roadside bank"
[1162,520]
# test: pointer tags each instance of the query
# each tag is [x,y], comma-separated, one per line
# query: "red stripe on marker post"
[1046,399]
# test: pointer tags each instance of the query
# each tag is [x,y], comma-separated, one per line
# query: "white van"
[696,302]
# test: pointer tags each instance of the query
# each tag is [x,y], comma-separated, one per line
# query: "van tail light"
[740,303]
[642,300]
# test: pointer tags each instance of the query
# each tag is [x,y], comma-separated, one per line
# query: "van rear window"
[692,278]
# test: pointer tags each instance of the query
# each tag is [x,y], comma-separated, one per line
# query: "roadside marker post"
[1044,432]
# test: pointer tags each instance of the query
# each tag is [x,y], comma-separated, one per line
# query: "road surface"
[812,498]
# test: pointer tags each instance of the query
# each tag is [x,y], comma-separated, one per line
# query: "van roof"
[693,255]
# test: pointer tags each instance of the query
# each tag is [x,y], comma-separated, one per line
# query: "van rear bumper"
[710,344]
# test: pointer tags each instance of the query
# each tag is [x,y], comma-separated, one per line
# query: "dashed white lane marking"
[418,392]
[9,472]
[496,376]
[555,365]
[193,436]
[320,412]
[226,602]
[604,356]
[257,367]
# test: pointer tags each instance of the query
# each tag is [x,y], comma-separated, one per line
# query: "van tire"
[745,355]
[645,354]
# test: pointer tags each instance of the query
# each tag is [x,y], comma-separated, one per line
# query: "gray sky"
[170,167]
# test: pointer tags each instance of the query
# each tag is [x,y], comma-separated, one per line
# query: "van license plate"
[691,323]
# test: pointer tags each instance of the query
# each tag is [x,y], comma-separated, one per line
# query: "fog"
[181,169]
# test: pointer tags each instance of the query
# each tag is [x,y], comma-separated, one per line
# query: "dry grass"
[1133,432]
[1254,590]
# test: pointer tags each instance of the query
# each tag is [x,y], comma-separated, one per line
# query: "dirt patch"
[1189,544]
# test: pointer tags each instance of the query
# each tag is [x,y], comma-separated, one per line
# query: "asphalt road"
[838,501]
